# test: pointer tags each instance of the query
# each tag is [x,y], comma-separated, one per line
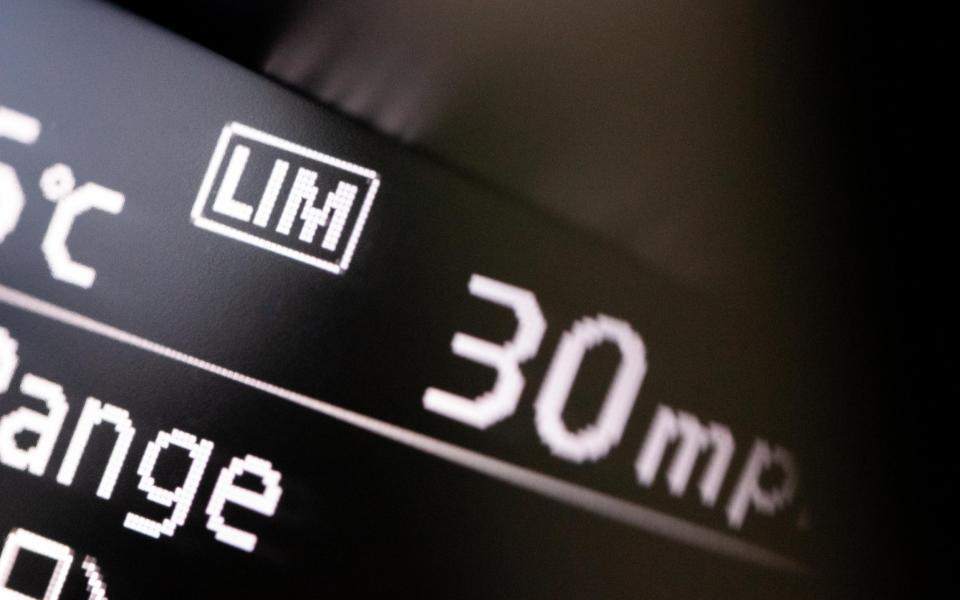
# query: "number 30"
[588,444]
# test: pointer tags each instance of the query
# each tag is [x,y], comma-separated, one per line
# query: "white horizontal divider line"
[611,507]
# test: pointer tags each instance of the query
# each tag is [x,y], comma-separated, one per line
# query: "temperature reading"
[23,129]
[59,186]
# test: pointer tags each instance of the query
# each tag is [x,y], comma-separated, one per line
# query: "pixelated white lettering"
[19,540]
[57,183]
[46,426]
[500,402]
[270,193]
[695,438]
[225,203]
[594,441]
[749,491]
[304,188]
[8,360]
[336,209]
[180,498]
[95,583]
[94,413]
[264,502]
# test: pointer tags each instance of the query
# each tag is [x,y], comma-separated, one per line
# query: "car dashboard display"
[250,348]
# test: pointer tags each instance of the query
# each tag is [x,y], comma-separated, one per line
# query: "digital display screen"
[251,349]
